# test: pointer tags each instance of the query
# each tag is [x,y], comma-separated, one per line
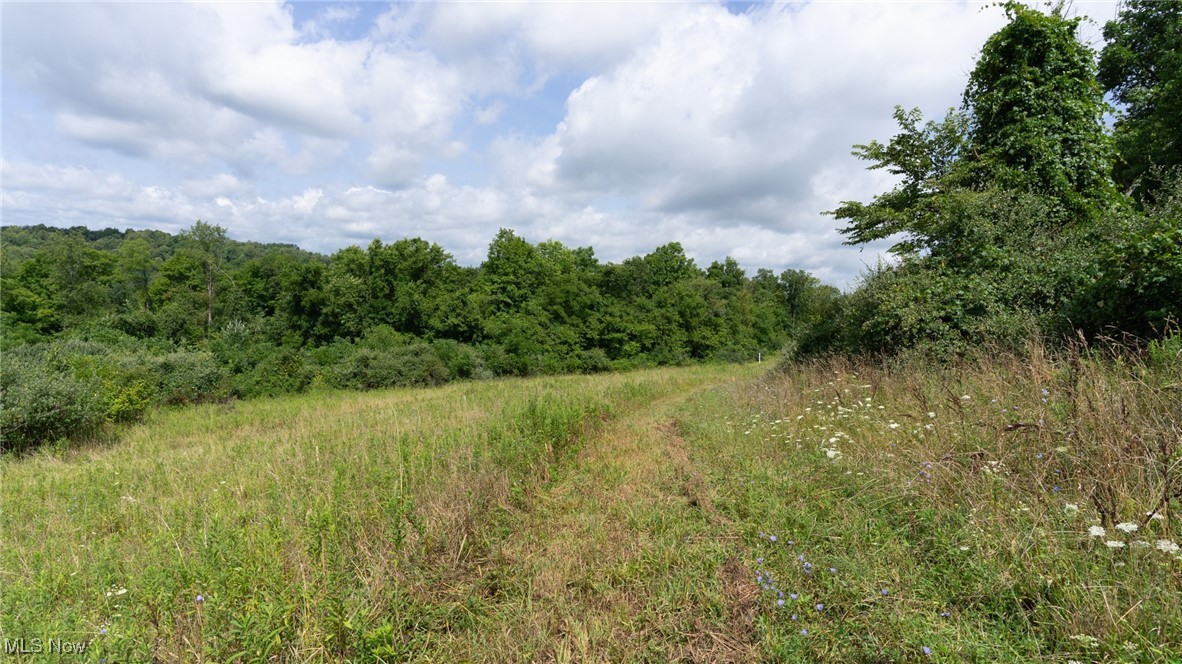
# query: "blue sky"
[617,125]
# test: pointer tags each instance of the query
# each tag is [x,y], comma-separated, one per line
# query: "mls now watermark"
[24,646]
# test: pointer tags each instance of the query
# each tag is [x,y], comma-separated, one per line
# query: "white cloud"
[682,122]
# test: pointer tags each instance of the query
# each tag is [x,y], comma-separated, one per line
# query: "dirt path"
[623,558]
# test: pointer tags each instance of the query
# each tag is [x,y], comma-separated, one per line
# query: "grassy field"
[360,526]
[826,511]
[1013,510]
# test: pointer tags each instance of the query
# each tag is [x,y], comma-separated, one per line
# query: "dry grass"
[965,490]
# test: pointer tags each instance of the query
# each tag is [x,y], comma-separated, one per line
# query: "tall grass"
[1011,509]
[322,526]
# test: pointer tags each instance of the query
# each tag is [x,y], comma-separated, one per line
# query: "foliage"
[40,405]
[1141,65]
[1139,290]
[199,316]
[1036,114]
[1006,218]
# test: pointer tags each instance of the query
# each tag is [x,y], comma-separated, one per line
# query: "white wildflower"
[1071,509]
[1138,544]
[1086,640]
[893,425]
[1127,527]
[1114,544]
[965,397]
[1167,546]
[1096,531]
[931,415]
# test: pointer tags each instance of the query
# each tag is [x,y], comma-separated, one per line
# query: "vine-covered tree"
[1002,205]
[1036,113]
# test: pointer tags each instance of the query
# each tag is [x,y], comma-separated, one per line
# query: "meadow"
[1010,509]
[1018,508]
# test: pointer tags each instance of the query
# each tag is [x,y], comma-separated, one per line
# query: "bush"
[189,377]
[40,405]
[462,361]
[403,366]
[281,372]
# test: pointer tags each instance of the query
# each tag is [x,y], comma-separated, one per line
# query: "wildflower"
[945,614]
[1114,544]
[1096,531]
[1045,391]
[1055,488]
[965,397]
[200,599]
[1071,509]
[804,632]
[931,415]
[833,570]
[1155,516]
[1038,456]
[1138,544]
[794,616]
[1127,527]
[820,607]
[103,630]
[884,592]
[794,596]
[771,538]
[759,560]
[893,425]
[779,602]
[927,650]
[1167,546]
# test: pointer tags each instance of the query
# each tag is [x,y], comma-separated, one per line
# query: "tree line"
[116,321]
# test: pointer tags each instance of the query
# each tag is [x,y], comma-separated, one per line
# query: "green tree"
[1141,65]
[1037,114]
[209,243]
[1000,206]
[138,266]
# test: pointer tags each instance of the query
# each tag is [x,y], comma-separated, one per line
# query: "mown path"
[621,558]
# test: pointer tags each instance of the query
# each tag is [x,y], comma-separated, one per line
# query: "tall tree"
[209,241]
[137,265]
[1037,112]
[1142,67]
[1031,123]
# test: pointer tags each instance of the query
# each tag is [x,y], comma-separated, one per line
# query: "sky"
[621,126]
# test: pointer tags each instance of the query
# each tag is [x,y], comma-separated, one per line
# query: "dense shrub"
[39,404]
[283,371]
[402,366]
[189,377]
